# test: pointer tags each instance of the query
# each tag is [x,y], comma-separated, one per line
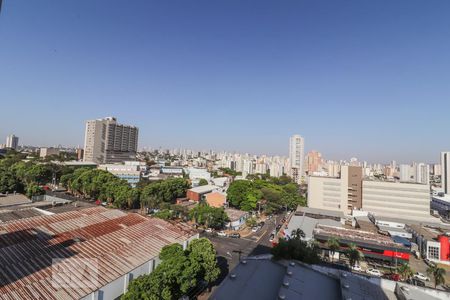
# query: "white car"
[221,233]
[373,272]
[255,229]
[421,276]
[208,230]
[357,268]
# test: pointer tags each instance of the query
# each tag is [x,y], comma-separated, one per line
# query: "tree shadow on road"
[261,249]
[222,262]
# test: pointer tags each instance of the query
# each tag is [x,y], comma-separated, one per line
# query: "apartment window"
[433,253]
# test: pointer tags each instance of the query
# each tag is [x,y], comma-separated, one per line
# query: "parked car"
[261,224]
[373,272]
[255,229]
[416,282]
[391,276]
[357,268]
[221,233]
[235,235]
[429,262]
[421,276]
[278,227]
[272,237]
[208,230]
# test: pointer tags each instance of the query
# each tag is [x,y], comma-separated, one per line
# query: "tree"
[405,271]
[333,246]
[251,222]
[244,195]
[178,272]
[204,214]
[202,251]
[34,190]
[296,249]
[438,275]
[353,254]
[203,182]
[297,234]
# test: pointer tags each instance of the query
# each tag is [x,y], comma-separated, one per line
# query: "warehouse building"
[91,253]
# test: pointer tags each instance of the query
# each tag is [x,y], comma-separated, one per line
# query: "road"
[230,249]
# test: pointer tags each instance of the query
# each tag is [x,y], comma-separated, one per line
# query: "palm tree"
[405,271]
[353,254]
[333,246]
[297,234]
[438,275]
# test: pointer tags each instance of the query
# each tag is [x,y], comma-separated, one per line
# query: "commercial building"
[92,253]
[297,157]
[396,199]
[372,245]
[441,204]
[106,141]
[342,194]
[198,193]
[47,151]
[12,141]
[433,242]
[129,171]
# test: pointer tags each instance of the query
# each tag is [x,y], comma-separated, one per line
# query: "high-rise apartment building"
[296,157]
[313,162]
[445,171]
[12,141]
[106,141]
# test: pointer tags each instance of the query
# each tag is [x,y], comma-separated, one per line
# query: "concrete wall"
[327,193]
[395,199]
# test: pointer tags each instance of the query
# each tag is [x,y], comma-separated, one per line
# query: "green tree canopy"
[179,272]
[203,182]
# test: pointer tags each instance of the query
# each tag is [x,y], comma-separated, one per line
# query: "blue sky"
[362,78]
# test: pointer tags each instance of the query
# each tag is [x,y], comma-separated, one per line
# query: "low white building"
[237,218]
[130,172]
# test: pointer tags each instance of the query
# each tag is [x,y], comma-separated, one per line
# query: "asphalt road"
[230,249]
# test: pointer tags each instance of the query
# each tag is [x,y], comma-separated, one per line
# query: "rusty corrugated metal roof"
[118,242]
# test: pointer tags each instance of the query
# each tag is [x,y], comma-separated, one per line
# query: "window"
[433,253]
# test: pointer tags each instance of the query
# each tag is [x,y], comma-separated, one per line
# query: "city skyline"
[355,84]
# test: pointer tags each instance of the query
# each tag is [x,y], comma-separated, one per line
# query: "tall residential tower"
[12,141]
[106,141]
[445,171]
[297,157]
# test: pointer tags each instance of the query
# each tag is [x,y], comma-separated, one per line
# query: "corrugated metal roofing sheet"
[114,242]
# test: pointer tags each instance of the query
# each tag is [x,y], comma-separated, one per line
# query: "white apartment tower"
[297,157]
[12,141]
[445,171]
[106,141]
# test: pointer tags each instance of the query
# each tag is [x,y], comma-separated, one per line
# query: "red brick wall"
[193,195]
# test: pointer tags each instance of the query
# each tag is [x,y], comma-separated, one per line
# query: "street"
[229,250]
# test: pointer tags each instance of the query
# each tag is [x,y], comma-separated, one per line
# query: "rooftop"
[13,199]
[235,214]
[318,211]
[256,279]
[357,235]
[204,189]
[307,225]
[11,215]
[116,241]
